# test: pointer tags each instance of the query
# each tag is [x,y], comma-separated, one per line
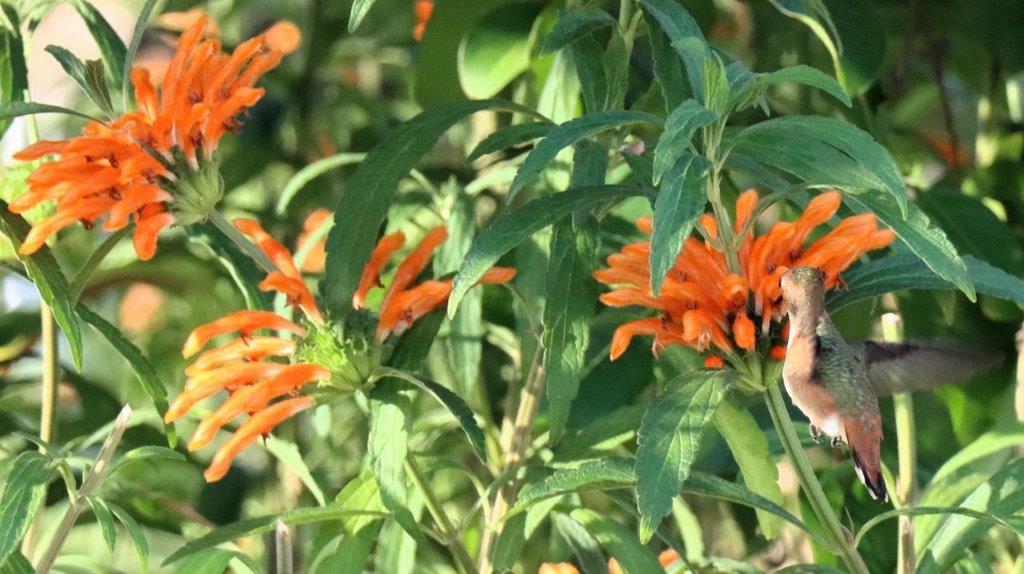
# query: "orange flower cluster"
[132,167]
[703,303]
[251,368]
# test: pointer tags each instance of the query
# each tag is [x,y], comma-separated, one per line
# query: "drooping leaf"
[111,46]
[496,50]
[863,33]
[372,187]
[746,93]
[906,271]
[510,230]
[310,172]
[507,137]
[568,308]
[260,524]
[44,271]
[574,25]
[24,488]
[632,556]
[749,447]
[11,110]
[684,36]
[681,125]
[359,10]
[584,546]
[679,204]
[973,228]
[567,134]
[105,519]
[917,232]
[144,453]
[288,453]
[669,439]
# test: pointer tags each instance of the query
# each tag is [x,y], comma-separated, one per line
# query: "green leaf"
[44,271]
[13,73]
[260,524]
[513,228]
[496,50]
[106,521]
[681,125]
[906,271]
[310,172]
[388,445]
[16,563]
[507,137]
[412,348]
[632,557]
[584,546]
[209,561]
[823,152]
[133,47]
[668,67]
[863,35]
[749,447]
[359,10]
[568,308]
[746,93]
[679,204]
[135,533]
[245,272]
[684,36]
[288,453]
[24,488]
[1001,496]
[669,439]
[616,66]
[598,474]
[973,228]
[567,134]
[372,187]
[111,47]
[17,109]
[1014,523]
[142,453]
[347,552]
[917,232]
[574,25]
[89,76]
[141,366]
[588,60]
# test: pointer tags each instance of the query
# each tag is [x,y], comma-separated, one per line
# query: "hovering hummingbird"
[837,384]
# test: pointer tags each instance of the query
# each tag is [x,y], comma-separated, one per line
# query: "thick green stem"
[241,241]
[906,443]
[834,531]
[444,523]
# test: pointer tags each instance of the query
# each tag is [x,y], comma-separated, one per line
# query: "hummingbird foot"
[815,433]
[836,441]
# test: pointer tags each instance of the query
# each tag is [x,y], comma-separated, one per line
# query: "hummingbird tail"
[871,475]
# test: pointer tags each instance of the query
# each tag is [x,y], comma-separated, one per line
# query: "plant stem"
[94,261]
[91,483]
[241,241]
[444,523]
[906,443]
[515,440]
[285,563]
[834,531]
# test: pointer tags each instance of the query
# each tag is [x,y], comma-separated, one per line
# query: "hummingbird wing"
[919,365]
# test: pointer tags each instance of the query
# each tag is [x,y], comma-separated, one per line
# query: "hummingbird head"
[803,288]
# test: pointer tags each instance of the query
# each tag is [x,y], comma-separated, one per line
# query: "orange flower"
[154,164]
[422,11]
[703,303]
[317,256]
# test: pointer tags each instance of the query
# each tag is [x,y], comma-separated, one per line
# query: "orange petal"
[707,221]
[415,263]
[619,298]
[271,247]
[713,362]
[256,426]
[668,557]
[778,353]
[409,305]
[316,257]
[284,36]
[294,288]
[40,149]
[148,230]
[625,332]
[645,224]
[209,383]
[249,349]
[744,332]
[244,322]
[371,272]
[745,205]
[497,276]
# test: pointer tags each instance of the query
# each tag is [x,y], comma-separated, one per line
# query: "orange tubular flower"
[422,11]
[704,304]
[155,164]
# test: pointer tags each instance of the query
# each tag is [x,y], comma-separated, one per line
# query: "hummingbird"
[837,384]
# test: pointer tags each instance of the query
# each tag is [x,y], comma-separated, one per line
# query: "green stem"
[906,443]
[444,523]
[94,261]
[241,241]
[834,531]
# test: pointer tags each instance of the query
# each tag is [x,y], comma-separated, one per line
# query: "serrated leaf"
[260,524]
[388,446]
[496,50]
[372,187]
[359,10]
[574,25]
[512,229]
[310,172]
[24,488]
[591,475]
[111,46]
[681,125]
[632,556]
[89,76]
[569,133]
[135,533]
[679,204]
[141,366]
[144,453]
[907,271]
[507,137]
[106,521]
[288,453]
[568,308]
[44,271]
[749,447]
[684,37]
[669,439]
[668,67]
[926,240]
[133,47]
[823,152]
[973,228]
